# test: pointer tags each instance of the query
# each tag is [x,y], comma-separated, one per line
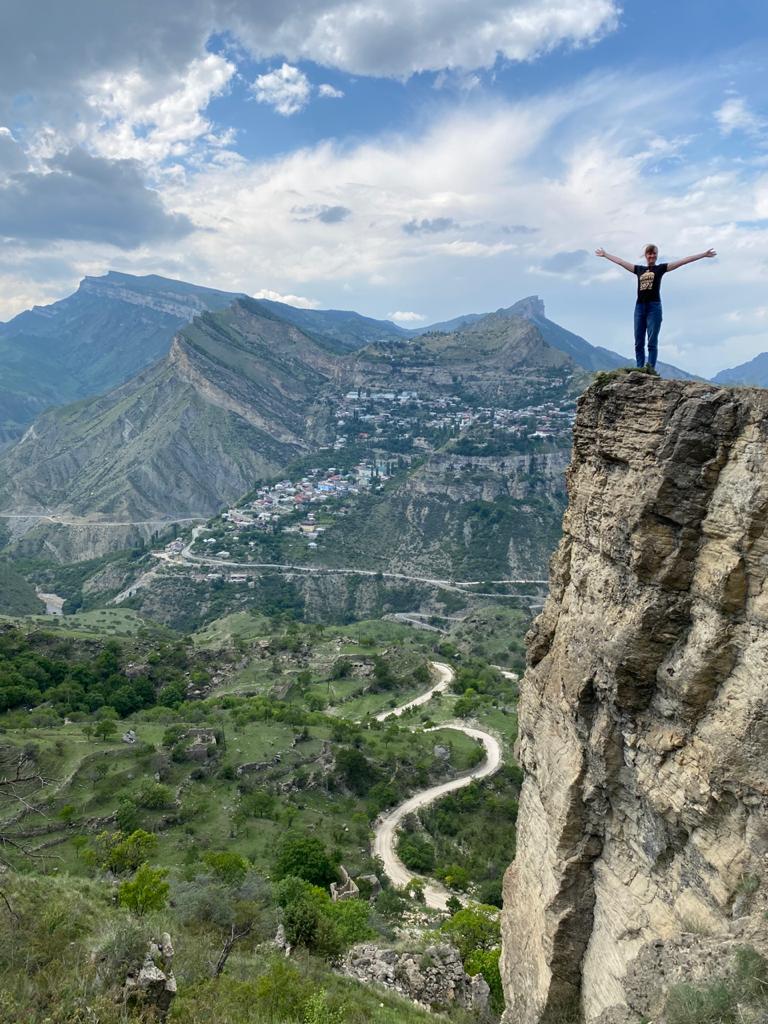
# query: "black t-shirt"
[649,282]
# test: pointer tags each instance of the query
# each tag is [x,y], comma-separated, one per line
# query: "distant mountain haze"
[752,374]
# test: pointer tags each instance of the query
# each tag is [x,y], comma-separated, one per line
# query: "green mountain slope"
[459,517]
[17,597]
[229,404]
[108,330]
[243,394]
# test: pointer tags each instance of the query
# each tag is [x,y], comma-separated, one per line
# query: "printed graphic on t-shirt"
[646,280]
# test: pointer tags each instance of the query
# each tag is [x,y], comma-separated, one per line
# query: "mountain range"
[753,374]
[240,394]
[114,326]
[185,396]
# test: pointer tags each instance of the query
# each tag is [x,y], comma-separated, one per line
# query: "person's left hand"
[710,253]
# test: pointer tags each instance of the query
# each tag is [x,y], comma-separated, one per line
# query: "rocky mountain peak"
[643,709]
[529,307]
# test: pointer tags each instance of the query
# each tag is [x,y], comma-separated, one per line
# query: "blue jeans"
[647,319]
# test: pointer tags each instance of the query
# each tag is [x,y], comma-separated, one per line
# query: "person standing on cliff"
[648,305]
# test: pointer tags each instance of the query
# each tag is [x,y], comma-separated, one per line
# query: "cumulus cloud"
[287,89]
[406,317]
[736,116]
[49,47]
[291,300]
[134,121]
[87,198]
[429,225]
[329,92]
[399,38]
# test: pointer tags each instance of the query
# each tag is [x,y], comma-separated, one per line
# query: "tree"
[304,857]
[104,729]
[237,910]
[121,853]
[356,770]
[147,890]
[416,852]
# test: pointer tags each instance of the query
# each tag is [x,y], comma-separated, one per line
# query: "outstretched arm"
[691,259]
[615,259]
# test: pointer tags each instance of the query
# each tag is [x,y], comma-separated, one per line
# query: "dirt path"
[445,676]
[385,832]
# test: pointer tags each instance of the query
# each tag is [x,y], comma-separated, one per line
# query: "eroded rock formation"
[643,726]
[434,978]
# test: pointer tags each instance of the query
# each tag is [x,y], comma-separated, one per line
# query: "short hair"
[651,248]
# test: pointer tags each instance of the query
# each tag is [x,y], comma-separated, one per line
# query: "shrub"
[127,815]
[119,949]
[473,928]
[317,1010]
[147,890]
[229,867]
[416,852]
[486,962]
[153,796]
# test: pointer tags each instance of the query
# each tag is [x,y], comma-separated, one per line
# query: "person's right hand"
[599,252]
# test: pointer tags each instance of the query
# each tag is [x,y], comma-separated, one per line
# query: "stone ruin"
[198,742]
[346,889]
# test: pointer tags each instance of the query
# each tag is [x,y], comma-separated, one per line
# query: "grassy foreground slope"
[250,768]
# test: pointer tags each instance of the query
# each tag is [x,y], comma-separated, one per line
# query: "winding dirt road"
[385,832]
[445,677]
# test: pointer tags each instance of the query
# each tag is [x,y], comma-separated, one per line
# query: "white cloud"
[12,158]
[134,121]
[287,89]
[48,50]
[291,300]
[406,317]
[734,115]
[571,166]
[328,92]
[399,37]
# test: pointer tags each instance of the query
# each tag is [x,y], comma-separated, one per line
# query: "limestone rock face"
[435,978]
[153,986]
[643,715]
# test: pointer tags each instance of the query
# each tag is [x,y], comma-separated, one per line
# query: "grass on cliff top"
[604,377]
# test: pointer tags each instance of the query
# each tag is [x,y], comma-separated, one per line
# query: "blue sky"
[408,161]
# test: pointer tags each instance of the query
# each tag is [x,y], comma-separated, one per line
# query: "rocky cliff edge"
[643,725]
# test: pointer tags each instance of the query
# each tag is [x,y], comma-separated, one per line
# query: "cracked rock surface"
[643,724]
